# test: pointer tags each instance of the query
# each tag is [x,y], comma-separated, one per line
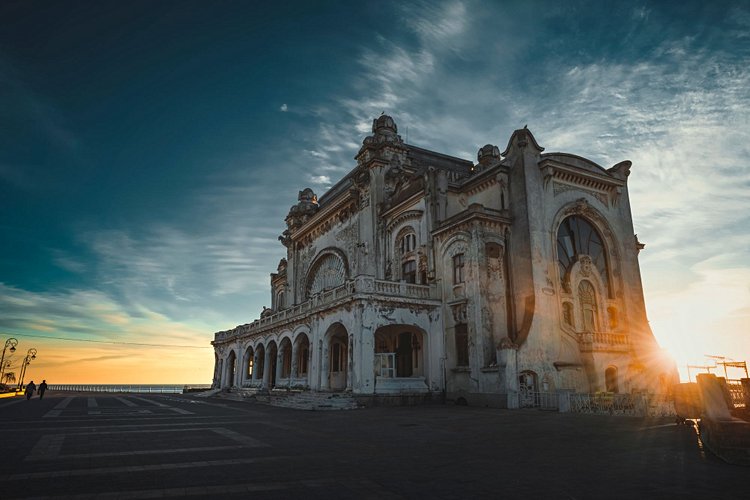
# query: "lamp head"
[12,348]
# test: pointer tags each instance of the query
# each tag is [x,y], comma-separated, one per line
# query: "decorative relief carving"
[459,312]
[586,265]
[559,187]
[349,235]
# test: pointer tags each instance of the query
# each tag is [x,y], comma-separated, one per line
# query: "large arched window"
[577,237]
[329,272]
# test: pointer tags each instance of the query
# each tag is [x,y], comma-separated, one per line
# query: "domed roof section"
[384,123]
[488,154]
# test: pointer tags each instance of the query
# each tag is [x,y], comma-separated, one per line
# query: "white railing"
[603,340]
[360,284]
[385,364]
[141,389]
[607,403]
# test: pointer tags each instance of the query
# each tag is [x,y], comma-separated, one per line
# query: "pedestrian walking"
[42,388]
[30,390]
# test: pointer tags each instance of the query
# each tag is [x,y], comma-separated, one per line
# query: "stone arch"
[328,270]
[301,353]
[259,370]
[335,363]
[270,372]
[611,382]
[229,375]
[581,208]
[400,351]
[248,364]
[285,357]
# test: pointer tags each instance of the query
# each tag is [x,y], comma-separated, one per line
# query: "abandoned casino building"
[420,274]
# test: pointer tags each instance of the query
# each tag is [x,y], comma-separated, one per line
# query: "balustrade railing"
[603,339]
[360,284]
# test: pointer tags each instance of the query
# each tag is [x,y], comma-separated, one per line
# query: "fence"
[541,400]
[143,389]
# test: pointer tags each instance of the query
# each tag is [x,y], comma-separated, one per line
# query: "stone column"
[216,370]
[279,363]
[266,368]
[254,378]
[508,363]
[349,363]
[324,382]
[237,369]
[293,374]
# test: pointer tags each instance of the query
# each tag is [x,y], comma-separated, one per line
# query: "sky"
[150,150]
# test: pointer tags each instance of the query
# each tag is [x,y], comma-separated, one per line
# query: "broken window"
[458,268]
[409,271]
[462,344]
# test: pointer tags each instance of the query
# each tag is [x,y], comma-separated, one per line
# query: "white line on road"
[236,436]
[126,402]
[48,448]
[59,407]
[213,491]
[138,468]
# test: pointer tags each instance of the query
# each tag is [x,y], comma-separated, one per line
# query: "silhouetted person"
[42,388]
[30,390]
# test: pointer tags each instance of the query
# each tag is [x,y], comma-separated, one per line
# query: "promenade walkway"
[81,446]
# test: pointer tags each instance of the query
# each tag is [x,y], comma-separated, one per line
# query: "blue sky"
[150,151]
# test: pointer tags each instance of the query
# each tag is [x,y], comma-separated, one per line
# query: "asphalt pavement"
[131,446]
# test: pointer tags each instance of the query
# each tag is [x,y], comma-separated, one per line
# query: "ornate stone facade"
[421,273]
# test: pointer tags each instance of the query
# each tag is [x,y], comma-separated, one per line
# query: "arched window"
[610,379]
[587,297]
[458,268]
[408,243]
[329,272]
[576,237]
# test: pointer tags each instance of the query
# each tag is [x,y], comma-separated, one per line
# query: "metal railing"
[541,400]
[141,389]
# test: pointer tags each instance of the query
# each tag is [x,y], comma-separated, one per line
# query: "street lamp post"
[12,343]
[30,354]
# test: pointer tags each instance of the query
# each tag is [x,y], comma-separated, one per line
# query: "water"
[143,388]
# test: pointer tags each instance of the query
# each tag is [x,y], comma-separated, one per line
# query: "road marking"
[126,402]
[12,402]
[147,452]
[236,436]
[47,448]
[212,491]
[138,468]
[93,404]
[150,401]
[64,403]
[166,407]
[59,407]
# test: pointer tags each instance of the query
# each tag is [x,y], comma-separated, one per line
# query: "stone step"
[314,401]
